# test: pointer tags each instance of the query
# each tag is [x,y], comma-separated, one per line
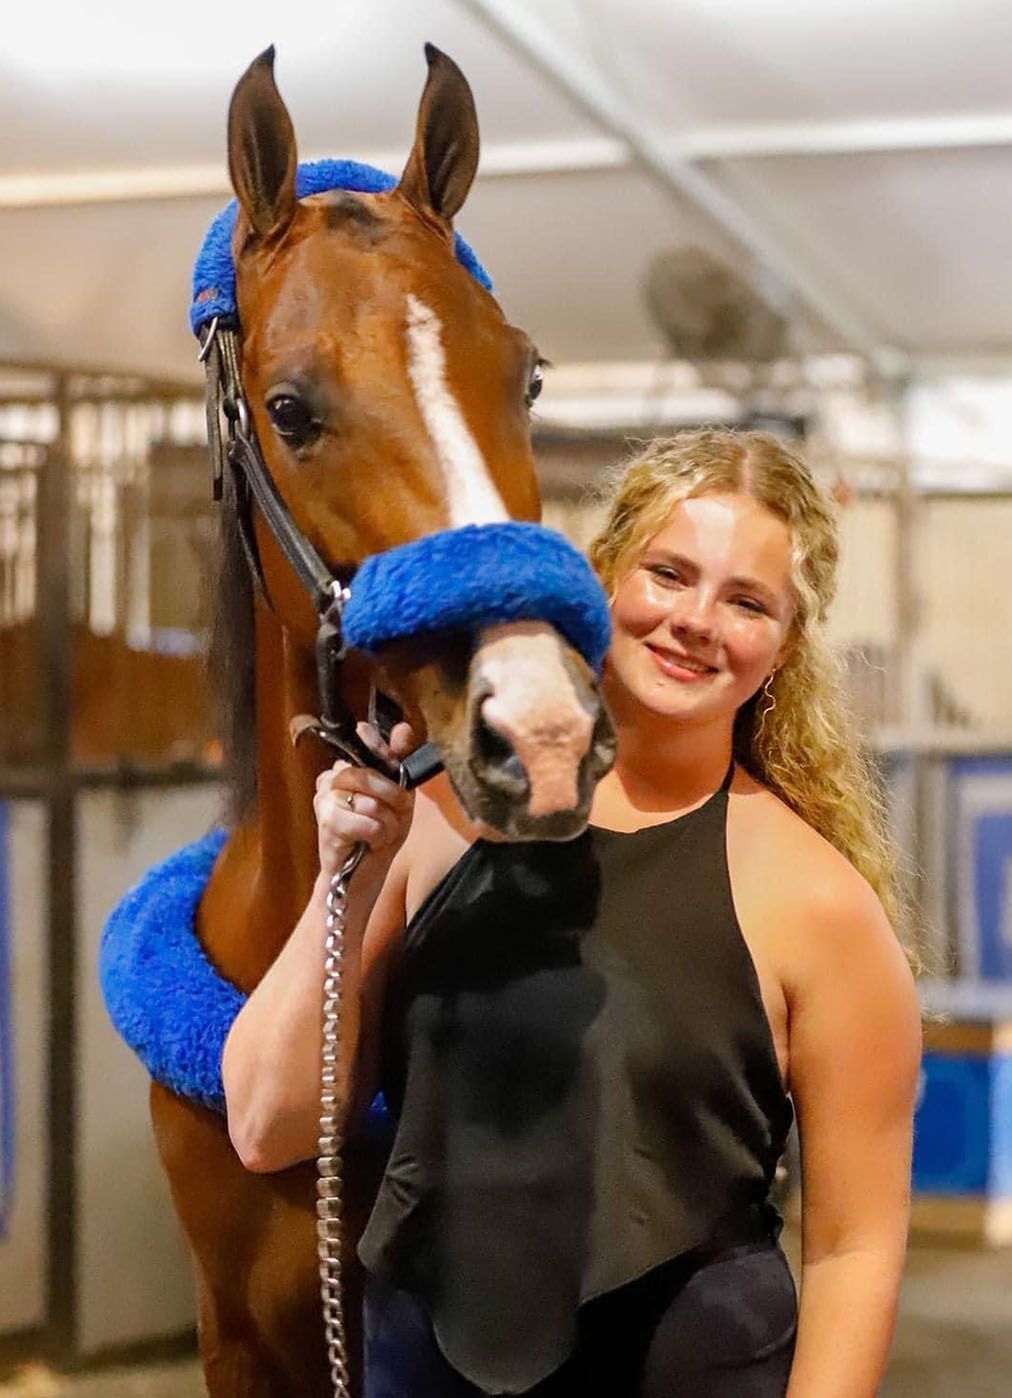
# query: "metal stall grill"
[107,761]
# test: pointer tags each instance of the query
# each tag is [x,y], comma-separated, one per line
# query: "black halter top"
[585,1081]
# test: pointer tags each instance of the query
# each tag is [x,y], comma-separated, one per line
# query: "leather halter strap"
[241,473]
[241,450]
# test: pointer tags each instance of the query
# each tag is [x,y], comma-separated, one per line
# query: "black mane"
[232,665]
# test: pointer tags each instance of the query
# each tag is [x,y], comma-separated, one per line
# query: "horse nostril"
[513,770]
[496,759]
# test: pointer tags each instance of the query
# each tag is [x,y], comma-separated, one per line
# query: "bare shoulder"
[828,920]
[801,862]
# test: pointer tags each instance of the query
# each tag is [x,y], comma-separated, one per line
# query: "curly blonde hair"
[798,735]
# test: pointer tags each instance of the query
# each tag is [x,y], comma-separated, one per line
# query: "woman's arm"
[271,1062]
[854,1054]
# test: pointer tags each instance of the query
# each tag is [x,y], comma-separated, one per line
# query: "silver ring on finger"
[349,800]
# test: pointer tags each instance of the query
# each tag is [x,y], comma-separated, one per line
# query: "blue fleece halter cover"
[166,999]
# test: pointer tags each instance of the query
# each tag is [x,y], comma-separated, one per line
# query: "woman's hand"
[271,1062]
[355,805]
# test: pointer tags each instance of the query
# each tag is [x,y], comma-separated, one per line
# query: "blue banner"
[982,791]
[963,1127]
[952,1129]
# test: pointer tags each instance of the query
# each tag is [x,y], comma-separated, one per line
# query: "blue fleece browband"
[164,997]
[214,272]
[474,576]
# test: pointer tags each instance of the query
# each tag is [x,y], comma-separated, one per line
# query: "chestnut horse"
[390,397]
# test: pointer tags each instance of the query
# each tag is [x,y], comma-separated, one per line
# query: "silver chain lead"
[328,1165]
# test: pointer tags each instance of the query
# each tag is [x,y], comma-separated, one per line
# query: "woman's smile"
[678,666]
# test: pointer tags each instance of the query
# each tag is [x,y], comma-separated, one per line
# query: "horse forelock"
[344,211]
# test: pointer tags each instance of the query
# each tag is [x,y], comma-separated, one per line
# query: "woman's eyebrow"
[662,555]
[752,585]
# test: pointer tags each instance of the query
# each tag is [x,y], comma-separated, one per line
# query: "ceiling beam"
[550,156]
[506,160]
[568,72]
[66,188]
[874,136]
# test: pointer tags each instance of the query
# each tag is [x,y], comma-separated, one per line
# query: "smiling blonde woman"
[594,1050]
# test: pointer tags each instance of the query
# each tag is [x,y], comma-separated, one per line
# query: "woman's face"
[705,616]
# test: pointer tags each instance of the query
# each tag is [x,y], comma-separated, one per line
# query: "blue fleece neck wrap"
[214,273]
[164,996]
[475,576]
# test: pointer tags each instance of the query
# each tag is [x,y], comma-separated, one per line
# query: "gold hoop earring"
[771,703]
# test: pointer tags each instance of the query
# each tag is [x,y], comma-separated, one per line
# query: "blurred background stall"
[745,212]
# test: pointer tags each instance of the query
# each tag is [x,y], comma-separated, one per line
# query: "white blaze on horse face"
[535,707]
[471,496]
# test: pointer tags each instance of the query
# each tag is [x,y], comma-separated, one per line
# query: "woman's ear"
[786,650]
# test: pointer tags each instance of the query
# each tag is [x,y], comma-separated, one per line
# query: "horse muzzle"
[538,735]
[528,737]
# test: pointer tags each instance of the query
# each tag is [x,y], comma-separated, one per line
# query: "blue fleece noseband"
[475,576]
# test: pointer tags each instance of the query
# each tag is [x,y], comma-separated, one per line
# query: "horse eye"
[535,385]
[293,419]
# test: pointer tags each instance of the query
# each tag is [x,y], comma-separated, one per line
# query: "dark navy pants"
[722,1327]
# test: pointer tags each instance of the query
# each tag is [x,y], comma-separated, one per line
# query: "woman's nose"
[693,616]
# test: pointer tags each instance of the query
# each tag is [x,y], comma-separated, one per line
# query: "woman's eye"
[535,384]
[293,419]
[665,574]
[751,605]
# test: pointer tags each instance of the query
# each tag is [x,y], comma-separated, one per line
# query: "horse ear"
[444,158]
[262,159]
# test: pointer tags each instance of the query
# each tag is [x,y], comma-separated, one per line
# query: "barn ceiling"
[854,156]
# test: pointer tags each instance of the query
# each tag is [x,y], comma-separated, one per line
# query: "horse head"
[390,397]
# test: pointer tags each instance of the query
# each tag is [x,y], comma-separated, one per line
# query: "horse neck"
[286,775]
[266,873]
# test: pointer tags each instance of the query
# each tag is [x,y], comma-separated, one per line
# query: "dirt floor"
[954,1340]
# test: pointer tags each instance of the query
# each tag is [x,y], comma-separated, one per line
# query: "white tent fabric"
[858,151]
